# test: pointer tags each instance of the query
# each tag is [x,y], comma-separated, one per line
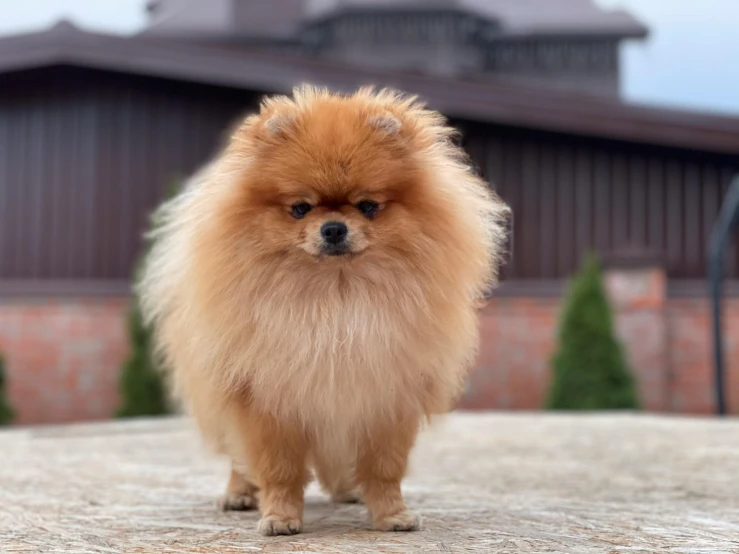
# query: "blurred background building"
[95,127]
[569,43]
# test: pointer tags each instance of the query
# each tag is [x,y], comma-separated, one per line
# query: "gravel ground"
[493,483]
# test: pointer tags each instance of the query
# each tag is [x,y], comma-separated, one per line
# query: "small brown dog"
[314,292]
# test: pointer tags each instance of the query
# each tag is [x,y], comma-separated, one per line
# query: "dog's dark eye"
[301,209]
[368,208]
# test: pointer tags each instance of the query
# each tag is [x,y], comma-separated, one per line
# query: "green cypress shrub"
[590,371]
[142,384]
[7,414]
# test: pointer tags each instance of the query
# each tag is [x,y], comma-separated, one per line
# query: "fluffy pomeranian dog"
[314,293]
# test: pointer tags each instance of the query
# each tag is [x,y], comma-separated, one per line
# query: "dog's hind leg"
[241,492]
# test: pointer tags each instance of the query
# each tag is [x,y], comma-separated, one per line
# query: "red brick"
[48,345]
[63,356]
[668,343]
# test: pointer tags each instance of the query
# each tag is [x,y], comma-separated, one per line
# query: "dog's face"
[333,229]
[334,183]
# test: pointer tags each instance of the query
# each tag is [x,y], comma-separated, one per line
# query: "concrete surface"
[493,483]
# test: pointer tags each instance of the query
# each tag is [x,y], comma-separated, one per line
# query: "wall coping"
[676,288]
[544,288]
[63,288]
[632,258]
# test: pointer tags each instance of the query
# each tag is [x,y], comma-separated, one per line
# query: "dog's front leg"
[277,453]
[383,460]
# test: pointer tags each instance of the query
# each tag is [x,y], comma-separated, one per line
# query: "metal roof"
[515,17]
[491,100]
[285,17]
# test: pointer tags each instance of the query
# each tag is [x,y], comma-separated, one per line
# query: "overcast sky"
[691,59]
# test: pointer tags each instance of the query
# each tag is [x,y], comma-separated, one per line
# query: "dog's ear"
[279,123]
[386,123]
[265,127]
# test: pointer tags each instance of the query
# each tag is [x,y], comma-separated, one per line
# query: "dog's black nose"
[334,232]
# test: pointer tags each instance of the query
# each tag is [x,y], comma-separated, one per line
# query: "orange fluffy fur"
[291,360]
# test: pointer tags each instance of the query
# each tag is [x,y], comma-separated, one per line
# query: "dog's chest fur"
[338,361]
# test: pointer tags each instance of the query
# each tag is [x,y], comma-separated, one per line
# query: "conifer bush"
[142,384]
[589,368]
[6,411]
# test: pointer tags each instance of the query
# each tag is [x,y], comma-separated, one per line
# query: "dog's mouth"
[336,250]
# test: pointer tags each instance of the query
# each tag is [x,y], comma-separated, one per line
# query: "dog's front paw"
[237,502]
[273,525]
[403,521]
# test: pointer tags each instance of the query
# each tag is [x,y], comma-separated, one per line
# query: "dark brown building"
[93,129]
[568,43]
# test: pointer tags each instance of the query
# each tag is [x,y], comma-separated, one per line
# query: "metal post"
[725,225]
[716,273]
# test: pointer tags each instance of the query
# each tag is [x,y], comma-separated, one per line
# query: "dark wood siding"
[84,158]
[86,155]
[572,194]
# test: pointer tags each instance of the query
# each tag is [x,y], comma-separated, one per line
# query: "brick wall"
[63,357]
[516,342]
[667,341]
[690,356]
